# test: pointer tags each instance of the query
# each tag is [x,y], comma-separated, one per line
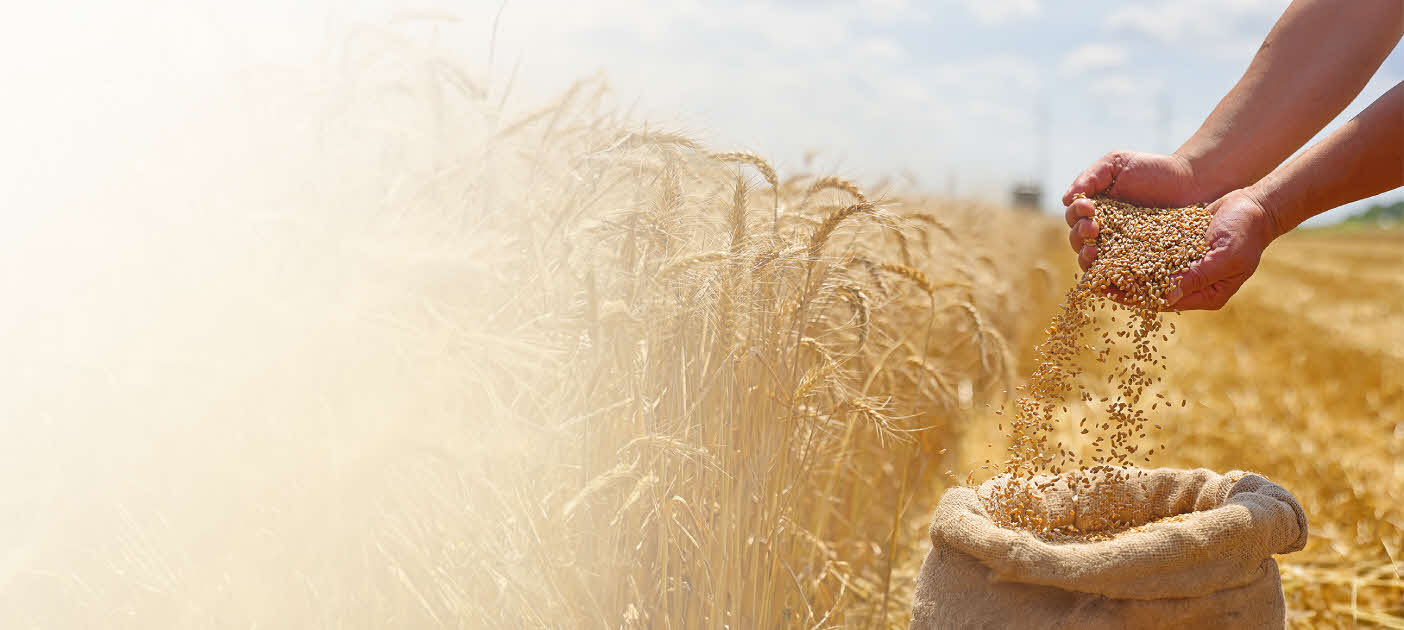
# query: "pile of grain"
[1140,253]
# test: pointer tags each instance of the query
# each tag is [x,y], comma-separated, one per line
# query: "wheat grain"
[836,183]
[760,164]
[831,223]
[1140,253]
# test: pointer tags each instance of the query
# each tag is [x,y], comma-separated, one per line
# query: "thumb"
[1199,276]
[1096,178]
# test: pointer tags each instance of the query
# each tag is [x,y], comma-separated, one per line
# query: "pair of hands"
[1239,230]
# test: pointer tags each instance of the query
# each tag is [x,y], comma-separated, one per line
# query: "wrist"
[1207,181]
[1271,220]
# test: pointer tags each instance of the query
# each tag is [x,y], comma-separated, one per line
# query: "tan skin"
[1316,59]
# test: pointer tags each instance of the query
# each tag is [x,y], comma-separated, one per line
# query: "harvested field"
[1298,378]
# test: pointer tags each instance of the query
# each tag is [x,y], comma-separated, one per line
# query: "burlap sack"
[1212,568]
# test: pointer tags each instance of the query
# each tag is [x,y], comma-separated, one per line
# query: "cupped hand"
[1144,179]
[1240,229]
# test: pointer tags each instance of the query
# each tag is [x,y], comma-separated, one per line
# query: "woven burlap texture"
[1212,568]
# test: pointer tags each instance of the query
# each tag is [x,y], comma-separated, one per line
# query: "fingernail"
[1173,296]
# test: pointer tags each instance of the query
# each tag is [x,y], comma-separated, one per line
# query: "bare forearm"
[1364,157]
[1316,59]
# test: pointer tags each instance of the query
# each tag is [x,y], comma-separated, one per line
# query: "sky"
[964,97]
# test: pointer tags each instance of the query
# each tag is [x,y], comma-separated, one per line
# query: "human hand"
[1239,230]
[1145,179]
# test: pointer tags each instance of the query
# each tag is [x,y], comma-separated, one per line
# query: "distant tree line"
[1380,213]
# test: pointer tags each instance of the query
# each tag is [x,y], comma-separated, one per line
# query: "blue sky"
[950,92]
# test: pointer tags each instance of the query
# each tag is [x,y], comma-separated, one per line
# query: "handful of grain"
[1141,249]
[1140,253]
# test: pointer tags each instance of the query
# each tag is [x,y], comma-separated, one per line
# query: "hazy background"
[963,96]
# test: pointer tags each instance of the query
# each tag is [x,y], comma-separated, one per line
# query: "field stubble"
[1298,379]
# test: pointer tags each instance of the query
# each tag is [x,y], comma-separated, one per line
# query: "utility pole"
[1028,192]
[1166,141]
[1042,126]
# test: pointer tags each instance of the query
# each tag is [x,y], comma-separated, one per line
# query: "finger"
[1087,229]
[1082,232]
[1201,274]
[1211,298]
[1214,296]
[1086,256]
[1095,179]
[1079,209]
[1198,301]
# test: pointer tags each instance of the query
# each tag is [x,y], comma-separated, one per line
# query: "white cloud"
[886,7]
[1090,58]
[1136,99]
[905,89]
[1006,73]
[1126,86]
[882,49]
[1168,23]
[1224,28]
[1001,11]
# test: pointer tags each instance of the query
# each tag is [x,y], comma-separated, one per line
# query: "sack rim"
[1223,546]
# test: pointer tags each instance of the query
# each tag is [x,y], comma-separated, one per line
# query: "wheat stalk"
[831,223]
[836,183]
[760,164]
[919,278]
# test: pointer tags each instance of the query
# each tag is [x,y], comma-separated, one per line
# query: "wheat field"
[400,357]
